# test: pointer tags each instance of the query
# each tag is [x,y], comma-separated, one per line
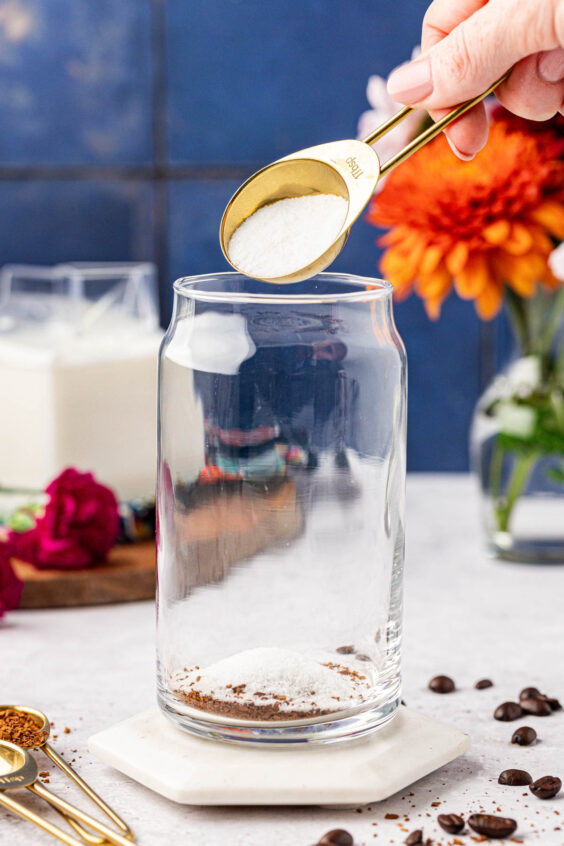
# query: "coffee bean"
[441,684]
[516,778]
[508,711]
[336,837]
[537,706]
[451,823]
[554,703]
[483,683]
[345,650]
[546,787]
[529,691]
[524,736]
[490,826]
[415,838]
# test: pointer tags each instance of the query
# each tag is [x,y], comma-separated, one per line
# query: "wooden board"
[228,527]
[127,575]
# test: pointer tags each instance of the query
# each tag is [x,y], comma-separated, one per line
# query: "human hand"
[467,45]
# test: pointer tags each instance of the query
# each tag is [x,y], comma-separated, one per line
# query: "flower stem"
[517,314]
[548,335]
[522,468]
[496,470]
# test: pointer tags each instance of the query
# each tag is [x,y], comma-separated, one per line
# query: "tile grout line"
[154,172]
[160,149]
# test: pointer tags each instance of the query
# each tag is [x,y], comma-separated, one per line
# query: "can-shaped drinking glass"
[281,508]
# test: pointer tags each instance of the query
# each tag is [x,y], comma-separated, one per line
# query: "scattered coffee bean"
[415,838]
[336,837]
[490,826]
[483,683]
[345,650]
[508,711]
[529,691]
[441,684]
[451,823]
[362,657]
[536,706]
[554,703]
[516,778]
[546,787]
[524,736]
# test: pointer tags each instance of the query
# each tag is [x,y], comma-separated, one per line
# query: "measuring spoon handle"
[430,133]
[31,817]
[92,795]
[75,813]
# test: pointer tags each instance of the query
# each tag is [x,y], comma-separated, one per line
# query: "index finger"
[468,134]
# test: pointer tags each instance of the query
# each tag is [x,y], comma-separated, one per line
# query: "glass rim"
[369,289]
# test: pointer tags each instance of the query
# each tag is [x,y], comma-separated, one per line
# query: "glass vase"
[280,503]
[518,438]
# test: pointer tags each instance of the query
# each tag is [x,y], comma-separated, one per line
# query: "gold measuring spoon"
[350,169]
[19,770]
[17,767]
[44,728]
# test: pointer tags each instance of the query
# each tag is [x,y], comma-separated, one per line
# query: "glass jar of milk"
[78,372]
[280,502]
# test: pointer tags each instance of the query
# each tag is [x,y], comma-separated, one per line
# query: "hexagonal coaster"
[187,769]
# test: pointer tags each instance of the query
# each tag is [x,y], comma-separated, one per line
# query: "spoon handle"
[430,133]
[92,795]
[75,813]
[30,816]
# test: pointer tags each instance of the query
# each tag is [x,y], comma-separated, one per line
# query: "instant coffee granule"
[21,729]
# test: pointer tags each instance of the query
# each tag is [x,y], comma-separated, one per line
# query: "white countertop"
[465,616]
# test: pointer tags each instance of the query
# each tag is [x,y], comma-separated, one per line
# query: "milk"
[77,393]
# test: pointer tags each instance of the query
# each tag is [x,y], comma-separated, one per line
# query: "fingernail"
[464,156]
[551,65]
[411,82]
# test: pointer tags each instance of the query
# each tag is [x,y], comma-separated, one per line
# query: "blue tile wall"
[45,222]
[127,125]
[253,80]
[75,81]
[195,208]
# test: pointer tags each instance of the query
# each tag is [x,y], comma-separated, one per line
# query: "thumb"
[477,52]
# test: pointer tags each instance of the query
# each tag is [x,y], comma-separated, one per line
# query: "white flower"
[556,262]
[516,420]
[524,375]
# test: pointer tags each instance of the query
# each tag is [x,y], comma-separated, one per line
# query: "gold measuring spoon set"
[18,769]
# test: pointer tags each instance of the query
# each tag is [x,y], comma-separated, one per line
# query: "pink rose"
[10,586]
[79,527]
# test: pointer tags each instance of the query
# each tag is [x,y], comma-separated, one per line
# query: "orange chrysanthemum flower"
[476,226]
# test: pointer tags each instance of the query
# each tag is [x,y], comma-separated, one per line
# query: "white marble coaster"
[151,750]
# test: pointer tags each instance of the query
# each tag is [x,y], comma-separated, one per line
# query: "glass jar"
[517,448]
[280,501]
[517,440]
